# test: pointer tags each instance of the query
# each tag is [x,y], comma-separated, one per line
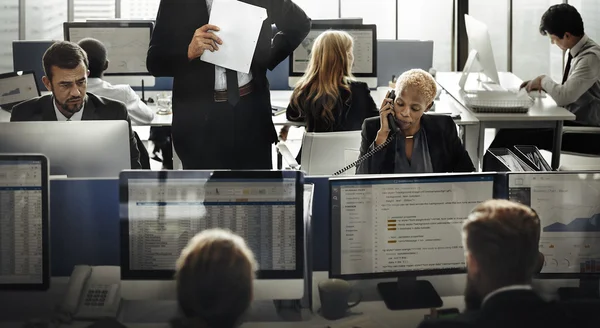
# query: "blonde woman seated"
[215,274]
[424,144]
[327,97]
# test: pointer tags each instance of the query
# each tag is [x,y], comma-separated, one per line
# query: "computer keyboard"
[492,87]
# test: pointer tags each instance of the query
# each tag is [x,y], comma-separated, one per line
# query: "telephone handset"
[394,129]
[92,293]
[391,119]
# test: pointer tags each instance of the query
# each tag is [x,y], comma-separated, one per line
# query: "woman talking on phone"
[422,143]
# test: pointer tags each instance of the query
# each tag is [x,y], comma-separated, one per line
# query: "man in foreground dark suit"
[222,119]
[66,68]
[501,241]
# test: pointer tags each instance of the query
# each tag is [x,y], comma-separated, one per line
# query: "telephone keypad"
[96,296]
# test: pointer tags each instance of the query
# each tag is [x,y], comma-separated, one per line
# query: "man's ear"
[472,265]
[47,83]
[567,36]
[105,65]
[540,263]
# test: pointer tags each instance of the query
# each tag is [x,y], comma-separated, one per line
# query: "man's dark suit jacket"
[198,130]
[96,108]
[445,148]
[523,309]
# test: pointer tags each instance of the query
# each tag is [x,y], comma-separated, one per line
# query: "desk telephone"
[394,129]
[92,293]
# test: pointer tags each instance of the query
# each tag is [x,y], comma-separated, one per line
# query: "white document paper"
[240,25]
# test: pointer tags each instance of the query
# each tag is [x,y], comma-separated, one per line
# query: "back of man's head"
[215,274]
[502,237]
[97,56]
[560,19]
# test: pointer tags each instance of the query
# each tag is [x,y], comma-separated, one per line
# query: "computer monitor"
[403,226]
[568,204]
[16,87]
[479,39]
[28,54]
[119,20]
[325,153]
[365,52]
[395,57]
[338,21]
[162,210]
[24,222]
[81,149]
[126,43]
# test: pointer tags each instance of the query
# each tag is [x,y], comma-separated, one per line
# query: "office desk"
[543,114]
[147,301]
[279,100]
[141,308]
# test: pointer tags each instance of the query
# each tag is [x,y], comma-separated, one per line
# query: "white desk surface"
[26,305]
[41,304]
[544,109]
[281,98]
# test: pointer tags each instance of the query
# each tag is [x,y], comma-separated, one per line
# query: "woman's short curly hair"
[420,79]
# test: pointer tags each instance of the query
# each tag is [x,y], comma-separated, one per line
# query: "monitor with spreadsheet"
[568,204]
[161,211]
[16,87]
[126,43]
[364,67]
[24,222]
[402,226]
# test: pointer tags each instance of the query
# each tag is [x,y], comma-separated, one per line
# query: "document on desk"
[240,25]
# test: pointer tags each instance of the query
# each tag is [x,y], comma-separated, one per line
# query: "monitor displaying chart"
[15,88]
[568,205]
[126,43]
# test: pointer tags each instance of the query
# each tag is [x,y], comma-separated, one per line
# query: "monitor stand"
[492,86]
[588,289]
[409,293]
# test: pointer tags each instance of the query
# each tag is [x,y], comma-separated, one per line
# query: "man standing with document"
[218,52]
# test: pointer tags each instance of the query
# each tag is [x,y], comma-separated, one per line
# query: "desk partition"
[84,223]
